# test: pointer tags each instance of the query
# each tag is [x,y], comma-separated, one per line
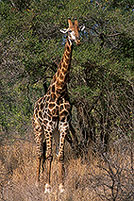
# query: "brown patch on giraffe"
[61,60]
[55,112]
[60,101]
[61,76]
[68,49]
[44,115]
[60,65]
[40,114]
[61,107]
[53,88]
[51,105]
[47,99]
[36,112]
[63,136]
[63,70]
[52,97]
[49,112]
[40,120]
[64,113]
[49,118]
[59,84]
[62,119]
[58,92]
[41,106]
[50,123]
[37,128]
[67,56]
[66,60]
[45,121]
[46,104]
[64,66]
[67,53]
[47,135]
[54,118]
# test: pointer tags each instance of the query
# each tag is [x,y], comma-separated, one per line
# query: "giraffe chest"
[46,109]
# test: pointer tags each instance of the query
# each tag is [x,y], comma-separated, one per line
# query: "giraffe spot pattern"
[52,97]
[40,114]
[64,113]
[59,83]
[53,88]
[61,76]
[41,106]
[61,107]
[45,121]
[54,118]
[51,105]
[62,119]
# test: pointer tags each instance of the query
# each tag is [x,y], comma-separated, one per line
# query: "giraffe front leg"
[48,161]
[39,134]
[63,127]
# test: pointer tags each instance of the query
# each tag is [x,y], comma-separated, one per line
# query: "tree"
[101,80]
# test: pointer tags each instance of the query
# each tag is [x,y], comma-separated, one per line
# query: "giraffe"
[53,111]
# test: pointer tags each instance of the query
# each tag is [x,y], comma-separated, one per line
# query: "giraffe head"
[73,31]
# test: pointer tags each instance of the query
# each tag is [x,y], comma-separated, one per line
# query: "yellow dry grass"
[82,177]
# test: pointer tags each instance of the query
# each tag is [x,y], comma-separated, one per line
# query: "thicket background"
[101,86]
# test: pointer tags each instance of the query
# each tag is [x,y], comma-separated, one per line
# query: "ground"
[93,178]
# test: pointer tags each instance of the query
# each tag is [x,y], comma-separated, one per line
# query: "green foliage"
[31,45]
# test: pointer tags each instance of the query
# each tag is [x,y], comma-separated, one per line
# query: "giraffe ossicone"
[53,111]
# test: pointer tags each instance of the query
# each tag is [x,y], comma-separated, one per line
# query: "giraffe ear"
[76,23]
[64,30]
[82,28]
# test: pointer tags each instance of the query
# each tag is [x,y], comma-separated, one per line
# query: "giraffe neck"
[58,83]
[67,56]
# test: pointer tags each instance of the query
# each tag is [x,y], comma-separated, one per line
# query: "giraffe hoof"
[48,188]
[61,188]
[37,184]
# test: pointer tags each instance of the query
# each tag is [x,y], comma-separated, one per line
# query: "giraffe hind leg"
[38,171]
[63,127]
[39,162]
[39,135]
[48,160]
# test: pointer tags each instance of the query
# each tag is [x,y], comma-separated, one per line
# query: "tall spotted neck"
[58,83]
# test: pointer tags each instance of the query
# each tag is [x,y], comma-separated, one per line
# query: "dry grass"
[90,180]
